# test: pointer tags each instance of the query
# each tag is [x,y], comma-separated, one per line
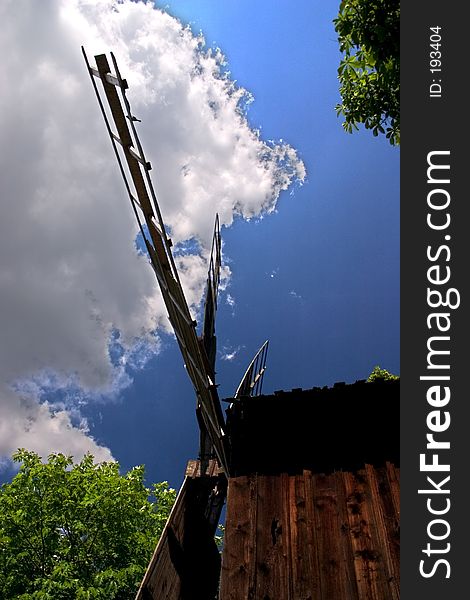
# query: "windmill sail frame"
[210,303]
[251,383]
[199,366]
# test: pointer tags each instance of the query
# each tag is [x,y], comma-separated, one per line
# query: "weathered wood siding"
[312,536]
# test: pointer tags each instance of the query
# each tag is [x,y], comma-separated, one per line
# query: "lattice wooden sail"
[198,353]
[252,381]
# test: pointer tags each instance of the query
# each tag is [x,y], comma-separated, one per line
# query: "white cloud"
[230,300]
[26,423]
[230,354]
[70,275]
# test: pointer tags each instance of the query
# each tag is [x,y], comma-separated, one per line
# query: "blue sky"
[318,276]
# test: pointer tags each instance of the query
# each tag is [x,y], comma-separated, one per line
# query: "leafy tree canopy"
[77,531]
[379,374]
[369,73]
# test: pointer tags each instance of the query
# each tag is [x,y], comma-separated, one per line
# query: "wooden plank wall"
[313,536]
[186,561]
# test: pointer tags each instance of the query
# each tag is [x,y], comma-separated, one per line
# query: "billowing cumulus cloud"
[73,286]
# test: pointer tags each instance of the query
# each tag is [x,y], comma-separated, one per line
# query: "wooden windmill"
[313,504]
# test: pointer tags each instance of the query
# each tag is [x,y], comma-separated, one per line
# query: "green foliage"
[369,73]
[219,536]
[379,374]
[77,531]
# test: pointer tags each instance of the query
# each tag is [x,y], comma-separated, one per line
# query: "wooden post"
[186,562]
